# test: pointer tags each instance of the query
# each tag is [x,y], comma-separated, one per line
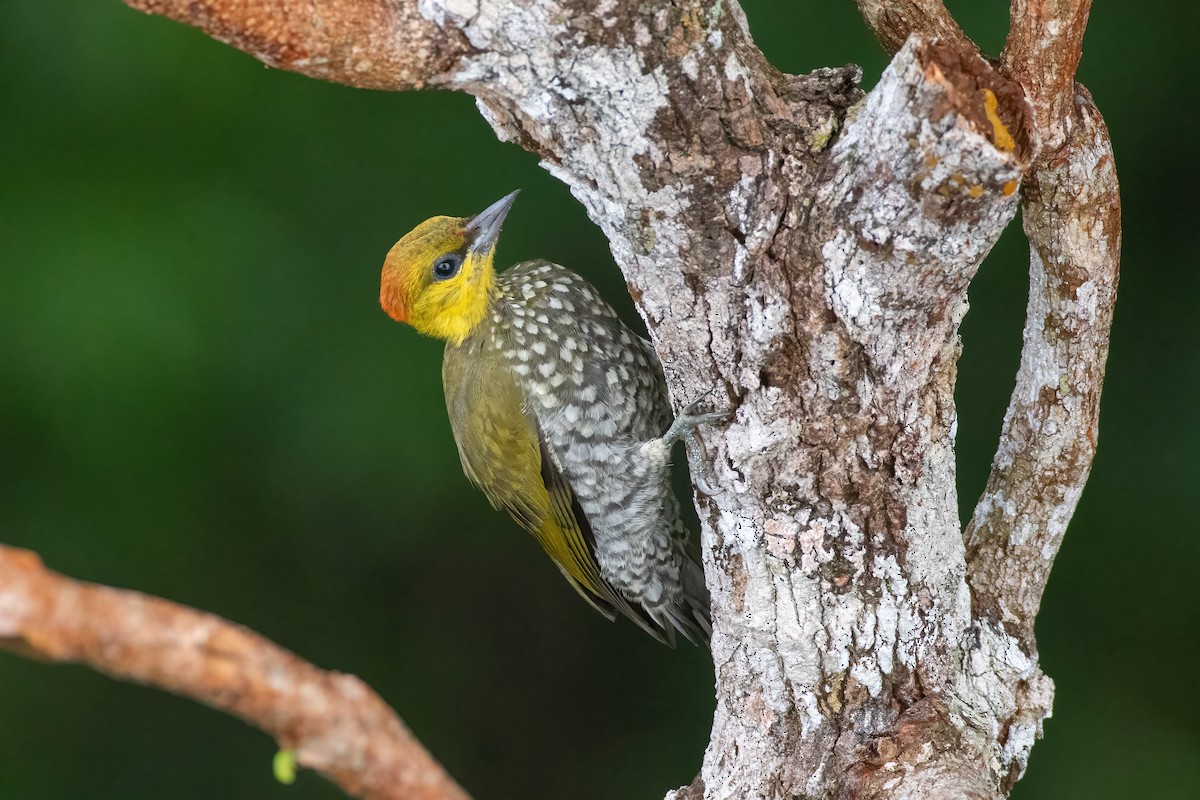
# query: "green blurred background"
[200,398]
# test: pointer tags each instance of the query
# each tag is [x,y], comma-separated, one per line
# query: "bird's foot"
[684,428]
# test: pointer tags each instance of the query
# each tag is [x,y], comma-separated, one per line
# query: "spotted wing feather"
[503,454]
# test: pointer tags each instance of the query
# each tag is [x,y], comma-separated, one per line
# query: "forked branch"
[1072,217]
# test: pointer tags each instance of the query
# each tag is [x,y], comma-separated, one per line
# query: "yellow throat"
[439,277]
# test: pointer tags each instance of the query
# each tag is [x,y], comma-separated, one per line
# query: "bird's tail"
[691,614]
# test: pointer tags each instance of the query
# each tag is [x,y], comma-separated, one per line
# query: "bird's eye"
[447,266]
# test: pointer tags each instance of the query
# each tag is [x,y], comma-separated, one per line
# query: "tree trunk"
[806,251]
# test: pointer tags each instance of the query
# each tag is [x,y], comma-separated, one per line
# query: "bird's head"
[439,277]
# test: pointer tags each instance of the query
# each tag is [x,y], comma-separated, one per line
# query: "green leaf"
[285,767]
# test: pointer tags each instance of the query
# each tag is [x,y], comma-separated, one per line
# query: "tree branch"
[333,722]
[370,44]
[893,21]
[924,180]
[1072,216]
[1042,52]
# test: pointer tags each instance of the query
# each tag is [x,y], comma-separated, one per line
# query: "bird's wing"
[567,514]
[496,439]
[503,453]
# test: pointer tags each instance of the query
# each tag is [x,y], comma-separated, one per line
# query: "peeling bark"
[807,251]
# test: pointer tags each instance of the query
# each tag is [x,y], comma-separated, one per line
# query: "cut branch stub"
[914,199]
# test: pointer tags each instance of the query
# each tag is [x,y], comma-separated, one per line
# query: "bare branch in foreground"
[333,722]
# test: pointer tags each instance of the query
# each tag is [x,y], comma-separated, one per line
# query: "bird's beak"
[484,228]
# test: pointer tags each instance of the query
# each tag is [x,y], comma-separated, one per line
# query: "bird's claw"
[688,420]
[684,427]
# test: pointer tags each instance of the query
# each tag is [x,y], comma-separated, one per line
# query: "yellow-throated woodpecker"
[561,416]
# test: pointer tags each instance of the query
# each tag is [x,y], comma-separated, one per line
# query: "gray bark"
[806,251]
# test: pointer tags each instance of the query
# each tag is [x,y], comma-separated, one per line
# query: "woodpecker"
[561,416]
